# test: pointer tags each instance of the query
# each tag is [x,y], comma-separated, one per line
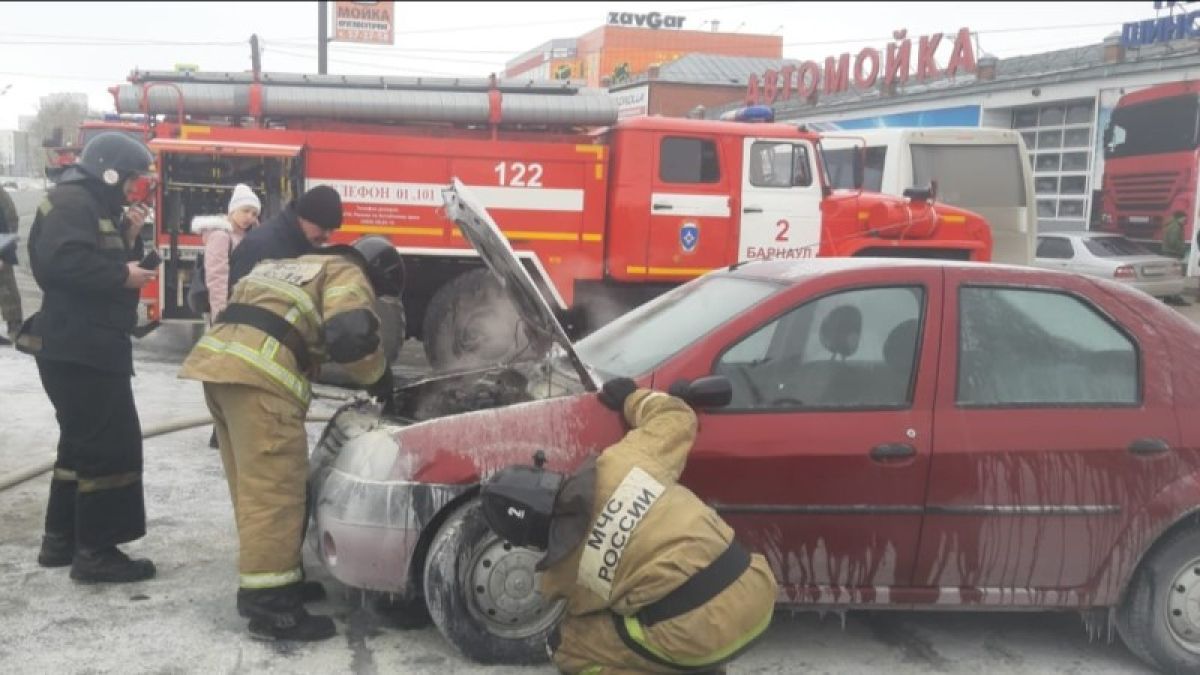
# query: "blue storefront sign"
[1163,29]
[959,116]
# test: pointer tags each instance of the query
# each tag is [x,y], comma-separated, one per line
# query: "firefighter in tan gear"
[282,321]
[654,579]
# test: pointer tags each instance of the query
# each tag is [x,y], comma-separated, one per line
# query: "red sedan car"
[896,433]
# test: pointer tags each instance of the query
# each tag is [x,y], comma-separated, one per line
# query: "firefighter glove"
[352,335]
[614,393]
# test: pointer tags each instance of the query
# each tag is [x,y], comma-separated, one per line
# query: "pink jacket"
[220,238]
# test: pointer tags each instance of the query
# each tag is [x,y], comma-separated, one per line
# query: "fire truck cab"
[605,214]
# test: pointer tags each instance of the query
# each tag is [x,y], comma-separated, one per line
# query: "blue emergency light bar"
[754,113]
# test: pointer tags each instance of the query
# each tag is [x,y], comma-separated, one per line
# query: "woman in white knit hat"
[221,234]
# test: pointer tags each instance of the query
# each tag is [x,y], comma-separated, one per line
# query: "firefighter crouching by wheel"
[654,579]
[256,360]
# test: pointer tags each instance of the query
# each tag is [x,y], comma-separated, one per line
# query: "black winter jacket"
[78,256]
[280,238]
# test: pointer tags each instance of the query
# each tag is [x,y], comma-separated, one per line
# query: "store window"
[1059,137]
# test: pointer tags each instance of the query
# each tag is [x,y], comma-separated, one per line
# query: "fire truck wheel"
[1159,619]
[471,322]
[482,592]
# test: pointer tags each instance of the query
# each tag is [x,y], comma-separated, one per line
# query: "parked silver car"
[1111,256]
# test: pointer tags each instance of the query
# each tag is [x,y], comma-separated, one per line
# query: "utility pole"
[255,56]
[322,37]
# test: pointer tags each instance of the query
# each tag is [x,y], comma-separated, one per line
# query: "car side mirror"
[713,391]
[922,194]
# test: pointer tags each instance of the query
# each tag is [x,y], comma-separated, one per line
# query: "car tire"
[1160,618]
[482,593]
[472,322]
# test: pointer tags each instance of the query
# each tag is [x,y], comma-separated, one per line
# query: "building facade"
[1061,102]
[629,45]
[15,157]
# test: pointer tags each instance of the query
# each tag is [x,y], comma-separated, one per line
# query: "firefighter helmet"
[518,504]
[112,157]
[385,267]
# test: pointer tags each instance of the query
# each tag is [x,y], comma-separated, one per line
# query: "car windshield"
[1115,247]
[645,337]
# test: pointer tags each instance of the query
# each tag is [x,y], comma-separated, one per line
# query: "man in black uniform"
[84,255]
[303,226]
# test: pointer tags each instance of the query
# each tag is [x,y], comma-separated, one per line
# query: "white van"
[983,170]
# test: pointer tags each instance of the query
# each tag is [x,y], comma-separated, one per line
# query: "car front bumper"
[367,523]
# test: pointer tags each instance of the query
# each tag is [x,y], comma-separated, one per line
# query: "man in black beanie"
[300,229]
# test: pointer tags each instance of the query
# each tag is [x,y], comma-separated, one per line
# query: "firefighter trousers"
[604,643]
[10,296]
[264,448]
[96,497]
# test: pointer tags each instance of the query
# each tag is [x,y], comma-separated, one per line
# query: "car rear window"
[1115,247]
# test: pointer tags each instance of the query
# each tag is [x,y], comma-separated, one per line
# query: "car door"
[781,201]
[820,460]
[1053,416]
[690,219]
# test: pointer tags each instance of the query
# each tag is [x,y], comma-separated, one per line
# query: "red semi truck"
[1151,156]
[605,214]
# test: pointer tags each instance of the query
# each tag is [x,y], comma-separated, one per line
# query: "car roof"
[793,271]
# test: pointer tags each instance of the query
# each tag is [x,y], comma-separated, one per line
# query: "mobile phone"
[151,261]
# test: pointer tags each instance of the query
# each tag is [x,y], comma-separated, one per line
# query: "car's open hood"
[478,228]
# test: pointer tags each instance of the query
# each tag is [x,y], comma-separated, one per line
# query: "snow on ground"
[184,620]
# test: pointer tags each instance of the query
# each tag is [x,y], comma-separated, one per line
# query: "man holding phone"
[86,256]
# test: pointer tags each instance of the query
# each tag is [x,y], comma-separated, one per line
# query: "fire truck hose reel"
[19,476]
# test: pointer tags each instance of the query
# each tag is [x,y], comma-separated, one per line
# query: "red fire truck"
[59,155]
[1152,160]
[605,214]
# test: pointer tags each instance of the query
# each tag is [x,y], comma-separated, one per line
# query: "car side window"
[688,160]
[1036,347]
[849,350]
[1055,247]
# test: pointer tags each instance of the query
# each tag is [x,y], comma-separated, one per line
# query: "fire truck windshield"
[1153,127]
[86,135]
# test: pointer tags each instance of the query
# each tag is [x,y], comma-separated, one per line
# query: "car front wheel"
[482,592]
[1160,618]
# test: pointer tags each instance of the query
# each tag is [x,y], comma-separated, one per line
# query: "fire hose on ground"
[21,475]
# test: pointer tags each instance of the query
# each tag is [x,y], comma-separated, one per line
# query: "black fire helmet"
[518,504]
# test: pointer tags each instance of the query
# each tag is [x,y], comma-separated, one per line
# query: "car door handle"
[662,207]
[888,451]
[752,209]
[1148,446]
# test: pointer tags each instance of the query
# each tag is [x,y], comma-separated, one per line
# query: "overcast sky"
[48,47]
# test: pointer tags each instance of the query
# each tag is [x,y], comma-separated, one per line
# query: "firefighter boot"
[109,565]
[279,614]
[58,550]
[310,591]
